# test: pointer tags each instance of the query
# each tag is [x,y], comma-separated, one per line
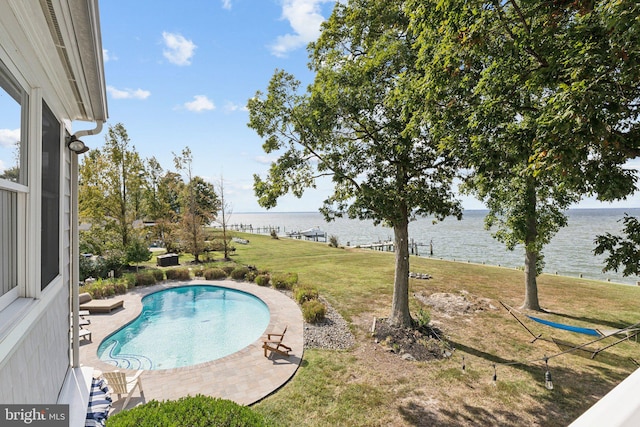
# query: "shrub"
[145,279]
[178,274]
[313,311]
[86,267]
[121,287]
[274,234]
[228,268]
[214,274]
[114,260]
[199,271]
[262,279]
[105,288]
[130,280]
[304,293]
[158,274]
[284,280]
[100,267]
[92,289]
[333,241]
[251,276]
[195,411]
[239,273]
[423,318]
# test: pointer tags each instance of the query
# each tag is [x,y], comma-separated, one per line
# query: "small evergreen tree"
[138,252]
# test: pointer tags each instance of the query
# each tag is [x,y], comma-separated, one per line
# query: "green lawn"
[367,386]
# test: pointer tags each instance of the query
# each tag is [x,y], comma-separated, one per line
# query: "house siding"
[37,367]
[52,49]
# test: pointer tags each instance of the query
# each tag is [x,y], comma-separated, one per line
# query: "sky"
[179,74]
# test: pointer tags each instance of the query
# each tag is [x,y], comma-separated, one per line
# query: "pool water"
[185,326]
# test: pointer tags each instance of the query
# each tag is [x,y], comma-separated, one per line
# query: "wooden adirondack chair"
[275,345]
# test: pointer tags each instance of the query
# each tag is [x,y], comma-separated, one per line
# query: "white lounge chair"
[84,333]
[120,384]
[98,306]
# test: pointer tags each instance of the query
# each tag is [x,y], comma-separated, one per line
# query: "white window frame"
[22,191]
[23,299]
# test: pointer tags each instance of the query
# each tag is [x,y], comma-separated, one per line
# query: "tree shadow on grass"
[494,359]
[468,415]
[569,349]
[419,416]
[573,393]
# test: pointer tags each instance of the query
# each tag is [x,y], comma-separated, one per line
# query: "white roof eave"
[56,45]
[79,23]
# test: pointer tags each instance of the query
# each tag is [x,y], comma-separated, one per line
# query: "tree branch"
[520,15]
[541,60]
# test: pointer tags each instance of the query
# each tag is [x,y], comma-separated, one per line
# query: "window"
[8,241]
[50,233]
[12,151]
[13,179]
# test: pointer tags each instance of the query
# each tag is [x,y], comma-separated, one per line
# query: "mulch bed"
[413,344]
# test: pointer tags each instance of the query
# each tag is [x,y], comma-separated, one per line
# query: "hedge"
[193,411]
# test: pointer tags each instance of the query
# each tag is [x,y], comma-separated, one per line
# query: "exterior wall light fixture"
[77,146]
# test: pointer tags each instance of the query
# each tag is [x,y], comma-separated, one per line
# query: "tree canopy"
[624,252]
[110,186]
[352,125]
[539,101]
[119,193]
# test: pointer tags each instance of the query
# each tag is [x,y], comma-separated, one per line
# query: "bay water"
[570,253]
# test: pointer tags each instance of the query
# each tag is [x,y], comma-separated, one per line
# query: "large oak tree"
[352,125]
[539,100]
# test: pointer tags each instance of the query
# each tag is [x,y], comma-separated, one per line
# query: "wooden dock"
[248,228]
[389,246]
[269,229]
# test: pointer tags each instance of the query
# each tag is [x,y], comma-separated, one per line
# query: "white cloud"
[128,93]
[106,56]
[231,107]
[305,18]
[9,137]
[178,50]
[226,4]
[199,104]
[266,160]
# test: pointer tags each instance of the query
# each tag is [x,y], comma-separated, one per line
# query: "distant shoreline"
[570,252]
[465,210]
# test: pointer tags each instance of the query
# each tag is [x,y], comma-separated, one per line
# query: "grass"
[367,386]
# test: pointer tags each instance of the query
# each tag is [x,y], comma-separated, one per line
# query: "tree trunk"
[530,285]
[400,315]
[531,252]
[225,244]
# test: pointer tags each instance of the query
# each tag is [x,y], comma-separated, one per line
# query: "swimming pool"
[185,326]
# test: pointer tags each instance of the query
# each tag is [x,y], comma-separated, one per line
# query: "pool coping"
[244,377]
